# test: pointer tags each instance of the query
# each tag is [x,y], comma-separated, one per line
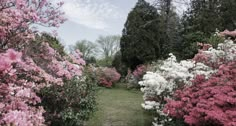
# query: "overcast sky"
[87,19]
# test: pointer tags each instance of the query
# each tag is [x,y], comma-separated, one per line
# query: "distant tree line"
[101,52]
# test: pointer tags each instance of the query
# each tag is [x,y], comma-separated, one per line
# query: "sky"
[88,19]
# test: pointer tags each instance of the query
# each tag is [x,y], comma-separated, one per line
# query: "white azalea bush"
[171,75]
[225,52]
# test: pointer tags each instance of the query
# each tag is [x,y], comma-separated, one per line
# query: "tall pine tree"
[170,27]
[140,42]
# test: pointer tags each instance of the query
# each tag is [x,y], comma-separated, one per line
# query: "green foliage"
[90,60]
[140,39]
[176,122]
[119,65]
[214,40]
[105,62]
[228,15]
[202,16]
[189,45]
[70,104]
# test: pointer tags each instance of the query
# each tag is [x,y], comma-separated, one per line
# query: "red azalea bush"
[207,102]
[107,76]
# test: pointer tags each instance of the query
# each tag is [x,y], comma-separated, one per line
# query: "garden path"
[120,107]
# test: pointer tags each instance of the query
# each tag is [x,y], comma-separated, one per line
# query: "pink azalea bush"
[18,97]
[107,76]
[58,66]
[139,71]
[23,73]
[228,33]
[133,77]
[22,78]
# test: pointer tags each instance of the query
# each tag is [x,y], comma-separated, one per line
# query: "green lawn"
[120,107]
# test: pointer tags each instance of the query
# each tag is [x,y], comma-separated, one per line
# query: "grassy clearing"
[120,107]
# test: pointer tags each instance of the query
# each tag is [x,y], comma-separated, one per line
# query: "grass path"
[120,107]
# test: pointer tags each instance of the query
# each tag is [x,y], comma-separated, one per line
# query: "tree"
[202,19]
[140,41]
[119,65]
[87,48]
[200,14]
[170,25]
[108,46]
[228,9]
[196,26]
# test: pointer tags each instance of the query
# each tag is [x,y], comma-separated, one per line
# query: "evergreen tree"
[171,26]
[199,22]
[119,65]
[228,14]
[203,16]
[140,41]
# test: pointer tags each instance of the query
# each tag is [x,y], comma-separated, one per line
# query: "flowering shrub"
[18,97]
[171,75]
[139,71]
[209,101]
[134,77]
[70,104]
[22,78]
[107,76]
[215,57]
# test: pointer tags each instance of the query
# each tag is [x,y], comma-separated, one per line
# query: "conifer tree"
[140,41]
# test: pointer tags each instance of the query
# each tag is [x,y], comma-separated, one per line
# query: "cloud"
[91,13]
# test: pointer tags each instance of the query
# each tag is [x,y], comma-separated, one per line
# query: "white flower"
[150,105]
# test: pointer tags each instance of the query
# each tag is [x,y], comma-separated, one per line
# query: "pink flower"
[13,55]
[139,71]
[5,64]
